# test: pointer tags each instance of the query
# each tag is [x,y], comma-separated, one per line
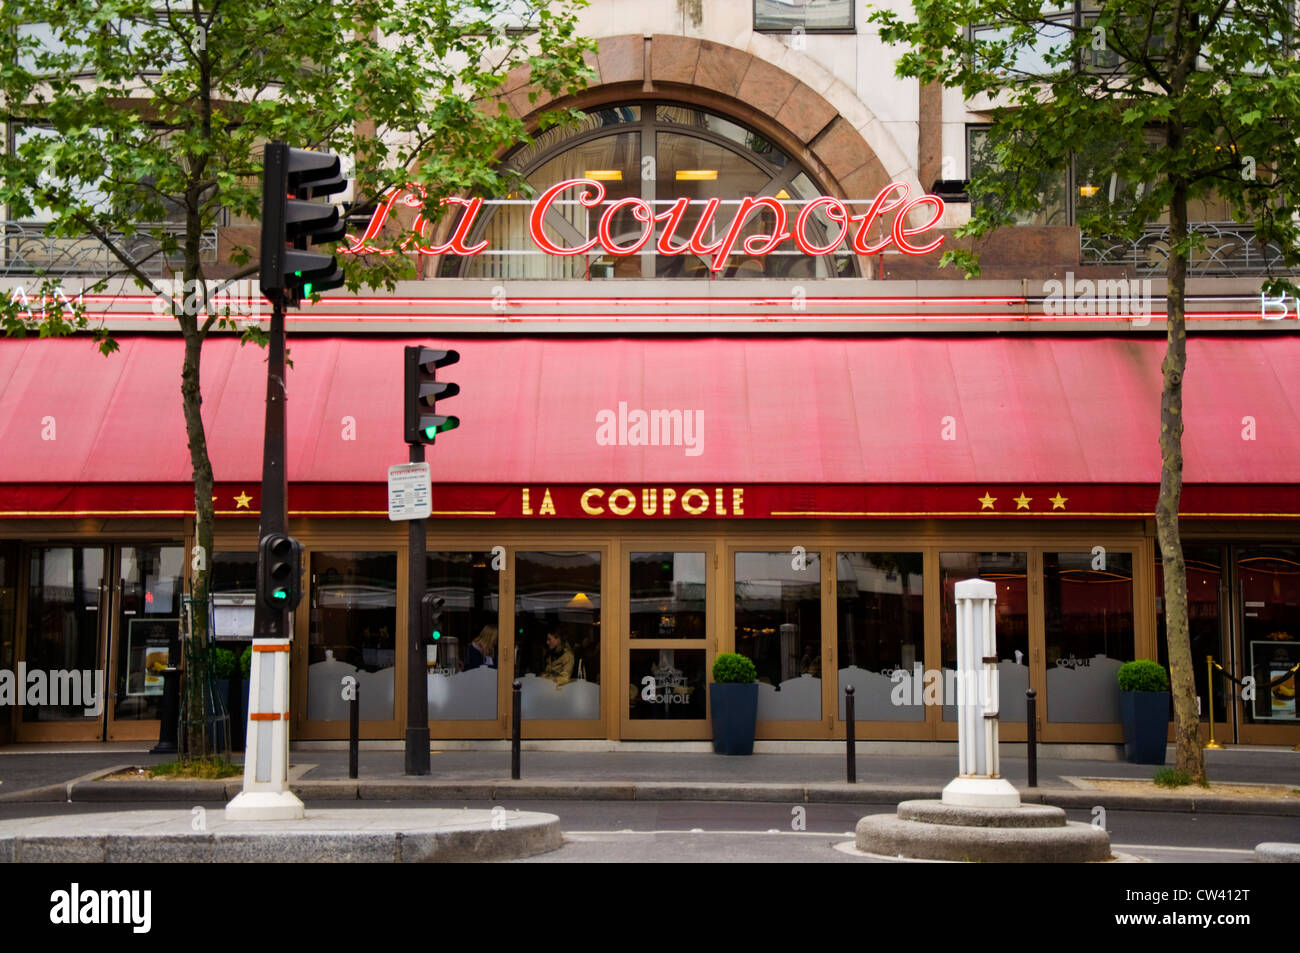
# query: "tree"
[1170,101]
[141,124]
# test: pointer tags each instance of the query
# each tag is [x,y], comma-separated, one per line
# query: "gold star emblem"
[242,501]
[1058,501]
[986,501]
[1022,501]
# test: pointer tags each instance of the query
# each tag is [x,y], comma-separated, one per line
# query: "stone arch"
[798,105]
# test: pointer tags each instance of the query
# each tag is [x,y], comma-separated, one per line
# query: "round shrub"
[223,663]
[246,662]
[1143,676]
[732,667]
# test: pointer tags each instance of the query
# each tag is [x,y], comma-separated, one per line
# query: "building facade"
[692,438]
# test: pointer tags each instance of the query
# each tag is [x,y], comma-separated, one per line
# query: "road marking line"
[1203,850]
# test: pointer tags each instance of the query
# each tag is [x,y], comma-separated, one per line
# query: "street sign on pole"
[410,492]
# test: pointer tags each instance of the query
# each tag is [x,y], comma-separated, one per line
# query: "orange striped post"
[266,795]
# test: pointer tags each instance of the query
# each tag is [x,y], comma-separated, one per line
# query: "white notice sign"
[409,492]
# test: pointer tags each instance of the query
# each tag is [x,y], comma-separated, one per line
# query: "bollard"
[171,712]
[354,729]
[516,707]
[850,742]
[1031,734]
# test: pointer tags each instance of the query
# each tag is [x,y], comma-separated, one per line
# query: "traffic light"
[431,618]
[291,179]
[423,390]
[279,571]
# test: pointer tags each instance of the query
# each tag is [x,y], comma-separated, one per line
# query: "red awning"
[925,411]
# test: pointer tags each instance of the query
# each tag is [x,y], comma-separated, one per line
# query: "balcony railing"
[1231,251]
[26,250]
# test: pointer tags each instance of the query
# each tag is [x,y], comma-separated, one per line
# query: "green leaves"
[1132,99]
[152,113]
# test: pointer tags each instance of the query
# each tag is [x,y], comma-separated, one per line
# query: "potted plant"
[1144,710]
[733,704]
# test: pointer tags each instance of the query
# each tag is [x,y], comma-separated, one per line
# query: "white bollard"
[977,783]
[266,795]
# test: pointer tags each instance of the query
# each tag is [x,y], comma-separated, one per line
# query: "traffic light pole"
[269,623]
[417,697]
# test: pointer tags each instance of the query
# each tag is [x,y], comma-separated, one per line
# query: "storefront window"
[880,616]
[1270,599]
[353,630]
[1010,572]
[1088,622]
[1204,578]
[462,664]
[557,634]
[149,626]
[63,622]
[779,626]
[666,593]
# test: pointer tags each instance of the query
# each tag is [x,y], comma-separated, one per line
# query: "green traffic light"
[436,635]
[279,594]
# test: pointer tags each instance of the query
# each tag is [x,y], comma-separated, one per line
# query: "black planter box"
[1145,716]
[734,709]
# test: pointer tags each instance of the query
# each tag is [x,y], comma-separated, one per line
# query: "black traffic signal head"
[291,179]
[423,390]
[279,571]
[431,618]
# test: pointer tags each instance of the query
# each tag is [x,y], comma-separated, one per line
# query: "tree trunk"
[1181,675]
[203,526]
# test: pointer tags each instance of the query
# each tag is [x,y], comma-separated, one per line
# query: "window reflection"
[63,622]
[666,593]
[149,626]
[1270,600]
[880,618]
[778,626]
[353,632]
[557,634]
[1009,571]
[1204,577]
[1088,621]
[462,665]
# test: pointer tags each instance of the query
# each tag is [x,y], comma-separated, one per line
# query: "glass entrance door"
[147,626]
[670,642]
[60,670]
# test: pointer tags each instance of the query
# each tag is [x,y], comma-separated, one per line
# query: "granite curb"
[417,789]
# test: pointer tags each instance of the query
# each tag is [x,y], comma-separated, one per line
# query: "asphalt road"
[688,831]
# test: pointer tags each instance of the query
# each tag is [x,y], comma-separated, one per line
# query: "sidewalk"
[59,773]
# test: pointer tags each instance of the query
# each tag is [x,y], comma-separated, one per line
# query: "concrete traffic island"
[935,830]
[1276,852]
[407,835]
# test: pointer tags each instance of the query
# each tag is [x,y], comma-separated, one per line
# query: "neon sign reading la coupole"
[893,198]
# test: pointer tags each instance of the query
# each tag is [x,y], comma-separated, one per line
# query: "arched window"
[659,152]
